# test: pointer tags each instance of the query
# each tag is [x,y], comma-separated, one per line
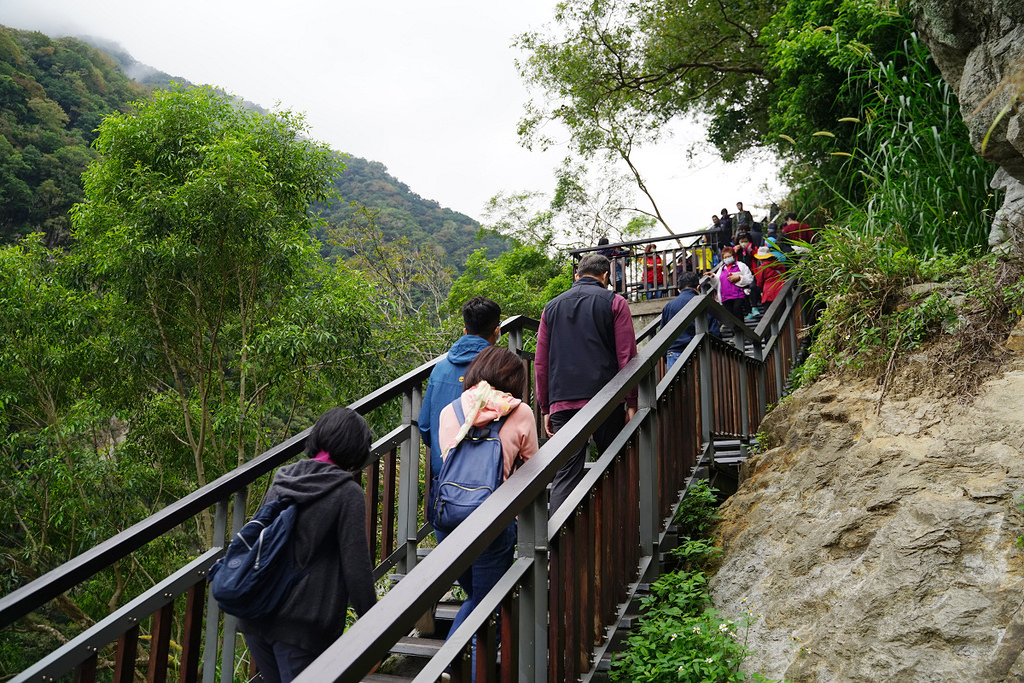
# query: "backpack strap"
[495,425]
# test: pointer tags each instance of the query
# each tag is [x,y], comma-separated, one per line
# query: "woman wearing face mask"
[732,278]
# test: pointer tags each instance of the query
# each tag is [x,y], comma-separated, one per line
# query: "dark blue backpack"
[470,473]
[258,569]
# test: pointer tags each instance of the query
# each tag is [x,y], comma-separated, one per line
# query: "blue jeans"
[652,291]
[278,662]
[481,576]
[670,359]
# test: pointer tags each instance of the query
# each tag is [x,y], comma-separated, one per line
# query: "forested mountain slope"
[55,91]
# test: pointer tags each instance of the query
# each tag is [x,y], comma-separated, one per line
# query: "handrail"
[634,243]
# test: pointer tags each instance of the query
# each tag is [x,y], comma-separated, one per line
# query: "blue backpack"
[470,473]
[258,569]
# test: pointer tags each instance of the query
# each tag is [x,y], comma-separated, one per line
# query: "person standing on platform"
[586,336]
[732,278]
[743,221]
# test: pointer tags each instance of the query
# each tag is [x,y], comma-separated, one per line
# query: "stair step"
[417,647]
[447,610]
[385,678]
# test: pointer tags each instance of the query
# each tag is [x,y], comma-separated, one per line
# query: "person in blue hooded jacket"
[482,318]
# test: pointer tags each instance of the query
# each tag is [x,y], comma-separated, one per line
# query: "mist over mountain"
[54,92]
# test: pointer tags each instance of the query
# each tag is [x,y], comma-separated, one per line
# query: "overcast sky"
[429,89]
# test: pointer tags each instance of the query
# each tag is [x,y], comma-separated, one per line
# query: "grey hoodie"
[330,544]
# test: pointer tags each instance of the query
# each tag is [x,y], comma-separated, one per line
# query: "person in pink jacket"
[497,381]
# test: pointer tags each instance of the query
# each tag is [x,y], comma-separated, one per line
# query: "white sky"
[429,89]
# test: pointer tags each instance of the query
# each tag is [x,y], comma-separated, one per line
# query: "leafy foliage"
[193,324]
[681,637]
[520,280]
[53,95]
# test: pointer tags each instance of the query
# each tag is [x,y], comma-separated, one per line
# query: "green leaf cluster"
[520,280]
[53,95]
[680,636]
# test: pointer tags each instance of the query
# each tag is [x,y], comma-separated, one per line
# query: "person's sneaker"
[755,311]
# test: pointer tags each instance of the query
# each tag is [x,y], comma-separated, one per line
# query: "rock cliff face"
[978,46]
[880,542]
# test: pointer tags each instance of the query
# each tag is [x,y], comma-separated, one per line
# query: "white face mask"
[744,245]
[729,260]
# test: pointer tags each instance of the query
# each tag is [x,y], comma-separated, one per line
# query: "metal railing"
[638,275]
[574,573]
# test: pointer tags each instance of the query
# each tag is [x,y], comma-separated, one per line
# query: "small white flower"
[696,629]
[673,637]
[709,660]
[680,668]
[723,627]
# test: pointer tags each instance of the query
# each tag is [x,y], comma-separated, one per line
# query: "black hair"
[594,265]
[603,241]
[689,280]
[481,316]
[790,216]
[344,435]
[502,369]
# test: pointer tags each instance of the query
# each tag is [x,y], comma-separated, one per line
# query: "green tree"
[615,73]
[196,218]
[521,280]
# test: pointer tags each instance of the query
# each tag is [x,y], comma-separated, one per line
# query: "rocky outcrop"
[878,541]
[978,46]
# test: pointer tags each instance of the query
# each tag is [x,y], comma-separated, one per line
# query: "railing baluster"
[159,644]
[387,515]
[127,651]
[86,671]
[192,632]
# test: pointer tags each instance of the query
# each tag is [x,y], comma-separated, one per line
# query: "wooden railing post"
[779,356]
[533,594]
[408,486]
[648,443]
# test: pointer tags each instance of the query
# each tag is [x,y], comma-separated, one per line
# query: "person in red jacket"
[768,275]
[794,230]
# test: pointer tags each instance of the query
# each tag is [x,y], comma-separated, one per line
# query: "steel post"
[409,478]
[533,594]
[707,417]
[227,653]
[220,527]
[648,442]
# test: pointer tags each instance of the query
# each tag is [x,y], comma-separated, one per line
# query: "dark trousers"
[572,471]
[738,307]
[278,662]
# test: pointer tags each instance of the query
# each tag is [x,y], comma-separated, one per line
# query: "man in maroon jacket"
[585,338]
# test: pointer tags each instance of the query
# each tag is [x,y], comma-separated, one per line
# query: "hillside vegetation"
[55,92]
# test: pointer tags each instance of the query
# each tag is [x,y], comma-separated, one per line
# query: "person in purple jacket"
[586,336]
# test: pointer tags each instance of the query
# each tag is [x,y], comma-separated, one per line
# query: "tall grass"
[913,179]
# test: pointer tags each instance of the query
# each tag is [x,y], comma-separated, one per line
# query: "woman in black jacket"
[330,547]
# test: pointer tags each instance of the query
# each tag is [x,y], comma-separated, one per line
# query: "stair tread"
[384,678]
[417,647]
